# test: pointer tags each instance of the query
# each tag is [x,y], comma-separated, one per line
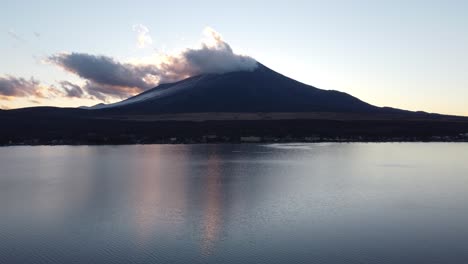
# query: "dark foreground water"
[292,203]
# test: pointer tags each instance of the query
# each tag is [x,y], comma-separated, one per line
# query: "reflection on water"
[303,203]
[147,195]
[212,212]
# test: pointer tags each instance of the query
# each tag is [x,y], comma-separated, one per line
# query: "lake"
[272,203]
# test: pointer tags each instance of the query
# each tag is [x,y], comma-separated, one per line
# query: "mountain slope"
[261,90]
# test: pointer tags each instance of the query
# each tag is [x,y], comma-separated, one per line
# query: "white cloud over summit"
[214,55]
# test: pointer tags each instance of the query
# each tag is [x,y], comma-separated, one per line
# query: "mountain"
[261,90]
[258,105]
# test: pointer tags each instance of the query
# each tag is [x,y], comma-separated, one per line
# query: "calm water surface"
[291,203]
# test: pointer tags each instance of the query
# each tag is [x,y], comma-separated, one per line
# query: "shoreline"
[164,142]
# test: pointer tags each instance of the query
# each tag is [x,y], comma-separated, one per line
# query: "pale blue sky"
[406,54]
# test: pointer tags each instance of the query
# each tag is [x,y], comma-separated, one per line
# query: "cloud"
[19,87]
[143,37]
[91,90]
[103,91]
[72,90]
[105,70]
[107,78]
[14,35]
[216,56]
[213,56]
[11,87]
[16,87]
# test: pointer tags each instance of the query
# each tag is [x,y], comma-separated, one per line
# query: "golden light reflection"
[159,194]
[212,214]
[147,195]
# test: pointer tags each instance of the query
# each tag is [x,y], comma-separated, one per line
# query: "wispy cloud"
[15,36]
[143,37]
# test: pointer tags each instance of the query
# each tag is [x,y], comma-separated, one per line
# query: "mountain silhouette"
[261,90]
[260,104]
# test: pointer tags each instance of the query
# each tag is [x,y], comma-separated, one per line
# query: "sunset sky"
[405,54]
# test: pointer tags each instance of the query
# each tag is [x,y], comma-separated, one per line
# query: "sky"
[405,54]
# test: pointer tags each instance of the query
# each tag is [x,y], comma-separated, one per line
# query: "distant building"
[251,139]
[210,138]
[312,138]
